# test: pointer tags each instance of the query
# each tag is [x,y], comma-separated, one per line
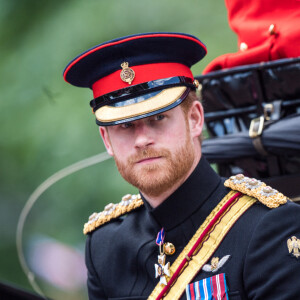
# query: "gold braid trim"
[113,211]
[206,248]
[257,189]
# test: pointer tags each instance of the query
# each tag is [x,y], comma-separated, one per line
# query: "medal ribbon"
[160,237]
[214,288]
[160,240]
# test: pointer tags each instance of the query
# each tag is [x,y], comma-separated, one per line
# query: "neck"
[156,201]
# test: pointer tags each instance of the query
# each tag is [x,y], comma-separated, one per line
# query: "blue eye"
[159,117]
[126,125]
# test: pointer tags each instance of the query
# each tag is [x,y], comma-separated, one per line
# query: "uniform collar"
[187,198]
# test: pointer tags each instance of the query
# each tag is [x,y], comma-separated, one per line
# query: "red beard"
[154,178]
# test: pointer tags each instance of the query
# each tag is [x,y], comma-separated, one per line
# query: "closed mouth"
[148,159]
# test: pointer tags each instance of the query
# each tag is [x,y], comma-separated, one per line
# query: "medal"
[162,269]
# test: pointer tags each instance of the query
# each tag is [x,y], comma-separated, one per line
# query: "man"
[186,235]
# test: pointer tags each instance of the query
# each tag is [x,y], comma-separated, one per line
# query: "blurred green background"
[47,124]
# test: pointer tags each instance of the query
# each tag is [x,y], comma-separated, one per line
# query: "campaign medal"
[162,270]
[127,74]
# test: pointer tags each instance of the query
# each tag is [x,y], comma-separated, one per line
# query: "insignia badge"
[216,264]
[239,178]
[293,245]
[268,191]
[162,269]
[127,74]
[253,183]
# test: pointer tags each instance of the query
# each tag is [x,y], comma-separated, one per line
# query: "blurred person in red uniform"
[256,87]
[266,30]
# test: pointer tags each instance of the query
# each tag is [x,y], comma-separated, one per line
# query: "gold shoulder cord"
[257,189]
[112,211]
[207,247]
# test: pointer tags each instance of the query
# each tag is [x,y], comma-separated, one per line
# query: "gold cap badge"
[127,74]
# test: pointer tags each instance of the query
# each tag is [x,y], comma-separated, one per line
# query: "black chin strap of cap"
[140,89]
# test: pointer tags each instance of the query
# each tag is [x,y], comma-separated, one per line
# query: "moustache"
[148,153]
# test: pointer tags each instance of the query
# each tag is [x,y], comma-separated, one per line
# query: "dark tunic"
[121,254]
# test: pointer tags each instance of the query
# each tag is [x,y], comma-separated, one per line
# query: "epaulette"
[113,211]
[257,189]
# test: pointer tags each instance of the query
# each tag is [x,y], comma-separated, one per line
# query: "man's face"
[154,153]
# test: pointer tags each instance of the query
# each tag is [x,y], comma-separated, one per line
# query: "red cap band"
[143,73]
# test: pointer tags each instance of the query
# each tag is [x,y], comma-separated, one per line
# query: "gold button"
[169,248]
[272,29]
[243,46]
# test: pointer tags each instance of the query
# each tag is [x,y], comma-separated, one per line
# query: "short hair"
[188,101]
[186,105]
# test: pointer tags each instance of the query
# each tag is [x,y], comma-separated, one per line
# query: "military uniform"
[120,255]
[251,250]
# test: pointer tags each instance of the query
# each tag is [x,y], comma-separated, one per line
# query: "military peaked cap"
[137,76]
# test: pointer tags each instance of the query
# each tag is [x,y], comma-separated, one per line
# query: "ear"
[196,119]
[105,137]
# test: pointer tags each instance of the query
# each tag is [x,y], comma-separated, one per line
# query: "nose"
[143,136]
